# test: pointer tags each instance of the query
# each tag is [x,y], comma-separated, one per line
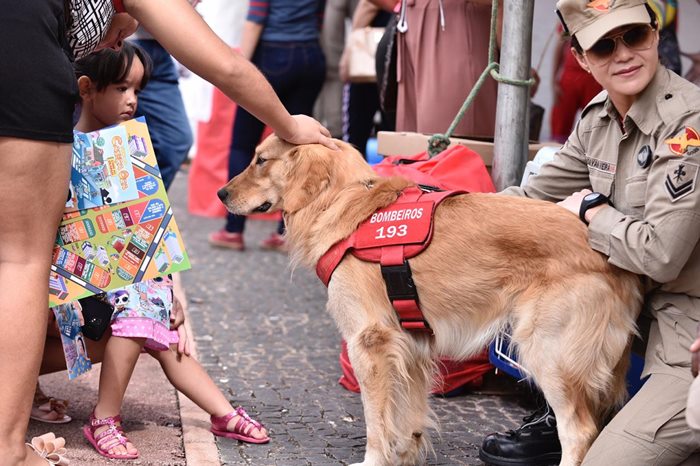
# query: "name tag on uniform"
[406,223]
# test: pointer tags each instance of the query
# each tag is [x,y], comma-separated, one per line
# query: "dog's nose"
[223,194]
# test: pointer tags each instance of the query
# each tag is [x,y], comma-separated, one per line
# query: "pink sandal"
[107,439]
[242,429]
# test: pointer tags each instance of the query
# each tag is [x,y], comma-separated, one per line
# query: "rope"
[439,142]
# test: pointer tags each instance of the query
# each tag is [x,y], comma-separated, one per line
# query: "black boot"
[535,443]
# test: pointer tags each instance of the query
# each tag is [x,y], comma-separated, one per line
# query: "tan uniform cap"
[589,20]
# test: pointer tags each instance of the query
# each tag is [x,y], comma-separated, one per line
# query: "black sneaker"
[535,443]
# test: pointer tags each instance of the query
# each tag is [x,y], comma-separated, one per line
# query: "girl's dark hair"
[110,67]
[653,21]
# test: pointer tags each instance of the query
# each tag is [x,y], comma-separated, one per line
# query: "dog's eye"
[260,161]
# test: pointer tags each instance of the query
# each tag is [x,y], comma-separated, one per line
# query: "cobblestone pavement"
[264,336]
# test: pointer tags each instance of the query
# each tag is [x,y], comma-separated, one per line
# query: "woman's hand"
[573,202]
[121,27]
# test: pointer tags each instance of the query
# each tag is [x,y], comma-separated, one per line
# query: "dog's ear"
[309,175]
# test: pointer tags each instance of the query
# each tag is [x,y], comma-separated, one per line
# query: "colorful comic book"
[121,241]
[74,349]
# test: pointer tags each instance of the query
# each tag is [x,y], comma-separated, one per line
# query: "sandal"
[50,448]
[245,424]
[109,438]
[49,410]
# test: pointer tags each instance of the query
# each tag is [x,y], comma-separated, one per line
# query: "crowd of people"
[628,168]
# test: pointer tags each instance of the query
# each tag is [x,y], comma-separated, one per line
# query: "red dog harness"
[391,236]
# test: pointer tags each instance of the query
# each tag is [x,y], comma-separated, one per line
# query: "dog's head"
[286,177]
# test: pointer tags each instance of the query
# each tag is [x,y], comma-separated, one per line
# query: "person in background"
[573,87]
[669,51]
[429,96]
[161,103]
[361,99]
[328,107]
[629,171]
[281,37]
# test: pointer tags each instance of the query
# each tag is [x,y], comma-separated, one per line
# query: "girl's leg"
[189,377]
[33,193]
[118,364]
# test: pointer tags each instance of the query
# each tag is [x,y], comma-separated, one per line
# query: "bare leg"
[189,377]
[118,364]
[33,193]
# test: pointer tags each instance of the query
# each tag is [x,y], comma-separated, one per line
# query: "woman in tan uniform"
[630,172]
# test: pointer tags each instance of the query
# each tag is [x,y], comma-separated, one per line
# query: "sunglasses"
[639,37]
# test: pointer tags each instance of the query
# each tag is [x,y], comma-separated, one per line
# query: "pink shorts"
[158,337]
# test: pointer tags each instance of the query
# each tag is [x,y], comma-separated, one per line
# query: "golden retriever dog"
[494,261]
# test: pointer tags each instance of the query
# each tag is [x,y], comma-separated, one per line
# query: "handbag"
[386,59]
[97,314]
[362,48]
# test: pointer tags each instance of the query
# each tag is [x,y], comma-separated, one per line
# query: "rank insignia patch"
[680,179]
[686,142]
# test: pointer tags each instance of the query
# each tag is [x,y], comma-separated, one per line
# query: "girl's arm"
[183,33]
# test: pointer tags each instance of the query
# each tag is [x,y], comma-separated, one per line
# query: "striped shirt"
[287,20]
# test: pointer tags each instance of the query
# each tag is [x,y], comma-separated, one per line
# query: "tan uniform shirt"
[650,172]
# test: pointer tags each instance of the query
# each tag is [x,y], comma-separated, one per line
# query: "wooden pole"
[512,108]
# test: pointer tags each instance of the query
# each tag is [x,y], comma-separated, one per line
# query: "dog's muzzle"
[264,207]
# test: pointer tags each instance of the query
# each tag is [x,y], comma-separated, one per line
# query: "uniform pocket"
[647,415]
[636,190]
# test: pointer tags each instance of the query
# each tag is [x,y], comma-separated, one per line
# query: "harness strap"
[401,290]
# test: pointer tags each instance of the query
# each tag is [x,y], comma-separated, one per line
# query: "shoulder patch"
[681,179]
[686,142]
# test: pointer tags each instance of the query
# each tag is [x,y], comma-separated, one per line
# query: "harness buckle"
[399,282]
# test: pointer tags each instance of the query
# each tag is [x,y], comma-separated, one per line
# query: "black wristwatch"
[589,201]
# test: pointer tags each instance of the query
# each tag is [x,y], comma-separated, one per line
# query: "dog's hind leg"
[394,395]
[576,422]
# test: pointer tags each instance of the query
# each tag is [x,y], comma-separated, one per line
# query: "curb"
[198,442]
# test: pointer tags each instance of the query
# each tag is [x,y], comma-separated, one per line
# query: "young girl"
[109,83]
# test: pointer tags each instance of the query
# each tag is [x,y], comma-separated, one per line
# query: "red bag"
[457,168]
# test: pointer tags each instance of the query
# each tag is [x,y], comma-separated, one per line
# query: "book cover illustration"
[120,242]
[101,171]
[69,320]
